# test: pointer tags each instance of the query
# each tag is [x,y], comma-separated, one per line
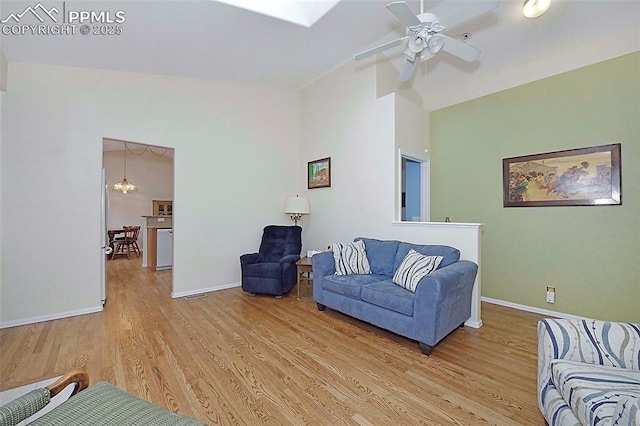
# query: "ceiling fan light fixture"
[428,18]
[535,8]
[416,43]
[435,43]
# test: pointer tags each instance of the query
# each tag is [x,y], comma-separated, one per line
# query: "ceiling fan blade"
[460,49]
[380,48]
[407,71]
[404,13]
[452,13]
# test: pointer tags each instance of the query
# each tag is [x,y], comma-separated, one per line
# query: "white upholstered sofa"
[588,372]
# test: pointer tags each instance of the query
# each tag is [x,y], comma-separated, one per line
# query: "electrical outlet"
[551,294]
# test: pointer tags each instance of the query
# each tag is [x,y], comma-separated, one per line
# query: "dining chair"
[128,243]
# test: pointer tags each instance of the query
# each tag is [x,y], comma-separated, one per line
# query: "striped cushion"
[627,411]
[350,258]
[593,391]
[413,268]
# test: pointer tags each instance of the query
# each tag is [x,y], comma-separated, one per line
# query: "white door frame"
[424,184]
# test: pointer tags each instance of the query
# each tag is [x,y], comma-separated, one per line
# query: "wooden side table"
[304,267]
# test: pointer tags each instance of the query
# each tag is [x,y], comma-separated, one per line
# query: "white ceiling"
[211,40]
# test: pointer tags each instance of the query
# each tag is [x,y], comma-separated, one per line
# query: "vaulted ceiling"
[212,40]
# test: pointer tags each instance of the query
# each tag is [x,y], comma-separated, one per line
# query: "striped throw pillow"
[413,268]
[350,258]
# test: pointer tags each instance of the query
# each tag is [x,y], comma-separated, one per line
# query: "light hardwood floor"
[233,359]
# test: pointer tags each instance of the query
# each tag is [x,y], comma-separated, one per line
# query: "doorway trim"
[143,233]
[424,184]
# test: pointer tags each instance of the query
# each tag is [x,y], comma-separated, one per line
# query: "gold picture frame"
[319,173]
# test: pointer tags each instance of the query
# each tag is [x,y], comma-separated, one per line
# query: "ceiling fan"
[424,37]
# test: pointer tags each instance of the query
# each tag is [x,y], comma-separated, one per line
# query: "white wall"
[236,161]
[410,139]
[1,132]
[3,78]
[4,66]
[342,119]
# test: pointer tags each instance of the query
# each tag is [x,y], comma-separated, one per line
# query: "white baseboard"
[43,318]
[533,309]
[473,324]
[175,295]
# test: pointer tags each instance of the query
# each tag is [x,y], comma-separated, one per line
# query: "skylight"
[300,12]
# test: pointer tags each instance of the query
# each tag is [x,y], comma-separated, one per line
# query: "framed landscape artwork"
[576,177]
[319,173]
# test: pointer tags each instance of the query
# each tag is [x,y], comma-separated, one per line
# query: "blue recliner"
[273,269]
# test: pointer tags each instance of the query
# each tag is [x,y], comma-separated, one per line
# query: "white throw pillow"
[413,268]
[350,258]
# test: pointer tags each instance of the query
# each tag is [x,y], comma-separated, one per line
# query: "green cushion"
[105,404]
[21,408]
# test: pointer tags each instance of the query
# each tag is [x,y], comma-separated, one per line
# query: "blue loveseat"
[440,304]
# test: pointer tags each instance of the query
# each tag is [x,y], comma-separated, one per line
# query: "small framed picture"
[319,173]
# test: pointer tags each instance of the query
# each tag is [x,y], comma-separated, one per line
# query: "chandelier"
[124,186]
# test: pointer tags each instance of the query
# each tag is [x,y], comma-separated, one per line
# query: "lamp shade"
[297,205]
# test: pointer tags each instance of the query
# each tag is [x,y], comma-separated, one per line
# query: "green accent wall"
[590,254]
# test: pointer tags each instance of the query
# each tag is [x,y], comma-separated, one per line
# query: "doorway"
[151,169]
[414,188]
[411,190]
